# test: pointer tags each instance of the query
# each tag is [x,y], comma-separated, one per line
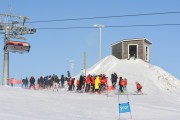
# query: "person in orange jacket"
[77,85]
[139,87]
[124,84]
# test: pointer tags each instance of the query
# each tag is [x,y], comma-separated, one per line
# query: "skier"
[87,83]
[55,82]
[121,84]
[70,84]
[114,79]
[124,84]
[104,84]
[97,84]
[32,81]
[26,82]
[92,82]
[73,86]
[139,87]
[81,83]
[62,81]
[46,82]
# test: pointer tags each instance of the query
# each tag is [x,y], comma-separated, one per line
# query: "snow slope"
[153,78]
[162,101]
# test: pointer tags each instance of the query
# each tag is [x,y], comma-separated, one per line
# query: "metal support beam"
[6,68]
[6,60]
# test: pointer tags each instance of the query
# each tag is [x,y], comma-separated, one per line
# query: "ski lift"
[17,46]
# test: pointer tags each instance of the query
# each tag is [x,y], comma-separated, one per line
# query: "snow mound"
[152,78]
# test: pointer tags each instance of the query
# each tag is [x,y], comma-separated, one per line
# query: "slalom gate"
[124,107]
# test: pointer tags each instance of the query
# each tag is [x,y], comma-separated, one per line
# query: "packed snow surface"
[161,99]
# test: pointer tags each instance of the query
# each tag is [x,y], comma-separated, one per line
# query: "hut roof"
[134,39]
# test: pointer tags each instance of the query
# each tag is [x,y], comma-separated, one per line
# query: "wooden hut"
[132,49]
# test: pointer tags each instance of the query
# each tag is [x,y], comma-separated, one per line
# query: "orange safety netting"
[14,81]
[110,88]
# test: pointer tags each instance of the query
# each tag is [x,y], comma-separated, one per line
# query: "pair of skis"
[135,93]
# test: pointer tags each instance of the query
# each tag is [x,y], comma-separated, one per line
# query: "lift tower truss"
[13,27]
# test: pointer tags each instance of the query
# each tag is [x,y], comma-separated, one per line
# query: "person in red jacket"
[70,84]
[87,83]
[92,82]
[104,84]
[139,87]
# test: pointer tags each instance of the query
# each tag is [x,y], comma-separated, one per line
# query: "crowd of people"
[89,84]
[47,82]
[92,83]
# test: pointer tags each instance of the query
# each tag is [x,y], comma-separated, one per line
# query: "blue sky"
[51,50]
